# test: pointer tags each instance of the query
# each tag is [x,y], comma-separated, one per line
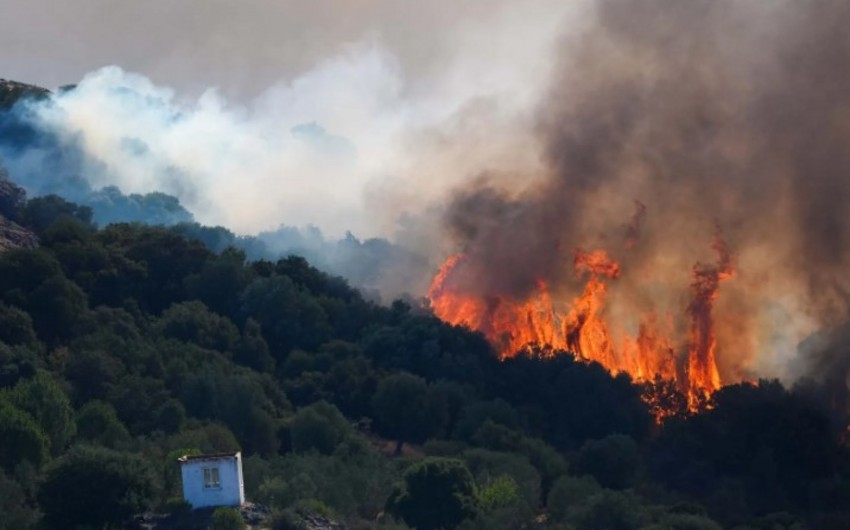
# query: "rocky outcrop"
[12,197]
[11,92]
[319,522]
[13,235]
[256,517]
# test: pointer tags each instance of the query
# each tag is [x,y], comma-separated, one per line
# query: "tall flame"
[581,326]
[703,377]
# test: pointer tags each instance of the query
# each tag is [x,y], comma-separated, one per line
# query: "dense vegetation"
[62,162]
[124,347]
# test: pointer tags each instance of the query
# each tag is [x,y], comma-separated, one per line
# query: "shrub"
[503,491]
[176,506]
[276,492]
[436,493]
[613,460]
[95,486]
[287,520]
[320,427]
[313,507]
[570,493]
[227,519]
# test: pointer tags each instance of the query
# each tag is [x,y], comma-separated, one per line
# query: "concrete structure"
[213,480]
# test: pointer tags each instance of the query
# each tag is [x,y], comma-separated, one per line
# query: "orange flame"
[703,377]
[650,356]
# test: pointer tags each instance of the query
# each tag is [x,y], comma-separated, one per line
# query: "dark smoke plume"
[722,113]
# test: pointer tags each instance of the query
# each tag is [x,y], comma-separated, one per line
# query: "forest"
[127,346]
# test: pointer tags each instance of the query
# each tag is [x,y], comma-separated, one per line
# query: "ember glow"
[653,353]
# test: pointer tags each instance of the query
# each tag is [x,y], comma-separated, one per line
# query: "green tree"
[253,350]
[17,513]
[436,493]
[227,519]
[171,416]
[16,326]
[276,493]
[570,493]
[290,316]
[501,506]
[95,487]
[548,462]
[171,478]
[486,466]
[401,409]
[611,510]
[20,438]
[320,427]
[613,460]
[208,437]
[57,307]
[97,422]
[17,363]
[93,374]
[193,322]
[41,212]
[43,399]
[220,281]
[502,491]
[138,401]
[163,258]
[241,401]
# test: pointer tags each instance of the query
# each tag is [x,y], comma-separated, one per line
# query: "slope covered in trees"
[124,347]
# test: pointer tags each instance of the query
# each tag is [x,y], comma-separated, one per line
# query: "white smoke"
[353,143]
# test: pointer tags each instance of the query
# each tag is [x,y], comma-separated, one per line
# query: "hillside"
[12,235]
[124,347]
[13,91]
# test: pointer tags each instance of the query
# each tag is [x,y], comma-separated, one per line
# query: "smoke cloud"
[394,107]
[344,116]
[713,114]
[516,133]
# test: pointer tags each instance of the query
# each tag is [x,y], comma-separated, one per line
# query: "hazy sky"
[243,46]
[428,94]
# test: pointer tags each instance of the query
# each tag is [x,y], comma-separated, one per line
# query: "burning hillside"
[731,138]
[652,352]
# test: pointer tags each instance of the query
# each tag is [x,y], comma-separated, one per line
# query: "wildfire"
[703,377]
[652,355]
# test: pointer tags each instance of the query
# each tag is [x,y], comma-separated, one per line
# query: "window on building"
[211,477]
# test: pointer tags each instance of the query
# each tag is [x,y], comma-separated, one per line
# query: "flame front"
[654,354]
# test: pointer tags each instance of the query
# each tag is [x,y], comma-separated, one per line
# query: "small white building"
[213,480]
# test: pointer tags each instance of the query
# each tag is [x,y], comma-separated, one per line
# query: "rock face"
[12,196]
[12,235]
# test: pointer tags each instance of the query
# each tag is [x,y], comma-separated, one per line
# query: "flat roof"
[214,456]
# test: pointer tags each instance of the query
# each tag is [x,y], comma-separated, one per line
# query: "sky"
[246,45]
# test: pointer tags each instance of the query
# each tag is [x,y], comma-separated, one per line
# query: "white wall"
[231,491]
